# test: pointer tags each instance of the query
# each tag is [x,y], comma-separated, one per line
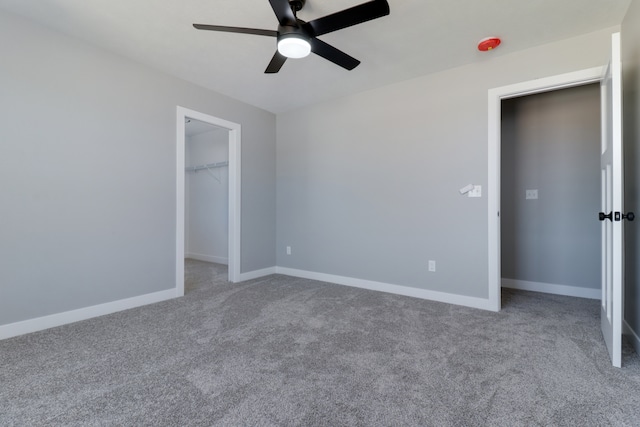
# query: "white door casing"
[496,95]
[612,192]
[234,191]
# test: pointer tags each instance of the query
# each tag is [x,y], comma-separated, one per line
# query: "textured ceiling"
[417,38]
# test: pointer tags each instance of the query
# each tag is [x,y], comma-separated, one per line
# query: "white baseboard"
[389,288]
[550,288]
[371,285]
[59,319]
[208,258]
[629,332]
[45,322]
[257,274]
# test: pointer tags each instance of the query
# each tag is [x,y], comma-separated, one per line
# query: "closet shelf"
[207,166]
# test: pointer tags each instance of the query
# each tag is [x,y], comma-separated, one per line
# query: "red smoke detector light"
[489,43]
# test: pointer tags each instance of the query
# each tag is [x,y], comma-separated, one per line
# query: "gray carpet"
[288,351]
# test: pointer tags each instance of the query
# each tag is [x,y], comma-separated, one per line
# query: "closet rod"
[207,166]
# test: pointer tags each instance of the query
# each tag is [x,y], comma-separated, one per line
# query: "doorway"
[233,140]
[550,189]
[206,192]
[495,98]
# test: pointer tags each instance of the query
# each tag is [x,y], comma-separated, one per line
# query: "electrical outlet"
[288,250]
[530,194]
[432,265]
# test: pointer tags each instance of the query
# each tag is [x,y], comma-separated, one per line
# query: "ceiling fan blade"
[354,15]
[276,63]
[241,30]
[283,12]
[334,55]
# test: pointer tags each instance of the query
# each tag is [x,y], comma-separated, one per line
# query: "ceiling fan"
[297,38]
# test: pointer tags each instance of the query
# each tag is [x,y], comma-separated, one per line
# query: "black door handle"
[608,216]
[617,216]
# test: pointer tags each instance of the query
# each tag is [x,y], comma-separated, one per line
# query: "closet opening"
[496,96]
[549,191]
[207,193]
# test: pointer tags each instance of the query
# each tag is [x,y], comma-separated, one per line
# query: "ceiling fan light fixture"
[294,46]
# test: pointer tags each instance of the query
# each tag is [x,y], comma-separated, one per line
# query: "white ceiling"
[417,38]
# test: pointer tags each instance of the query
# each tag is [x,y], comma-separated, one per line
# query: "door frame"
[496,95]
[234,131]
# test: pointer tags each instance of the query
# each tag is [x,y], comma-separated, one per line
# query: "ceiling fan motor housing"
[297,5]
[285,31]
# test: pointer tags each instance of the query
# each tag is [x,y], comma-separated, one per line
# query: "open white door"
[612,205]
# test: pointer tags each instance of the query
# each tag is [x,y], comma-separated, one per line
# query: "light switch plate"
[466,189]
[476,192]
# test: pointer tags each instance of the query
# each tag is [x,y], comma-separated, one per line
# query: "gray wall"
[87,166]
[368,184]
[551,142]
[631,137]
[207,197]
